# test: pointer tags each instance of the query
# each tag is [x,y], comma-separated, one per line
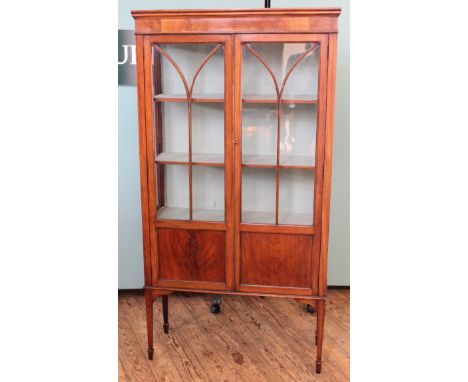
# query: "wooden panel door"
[188,97]
[280,104]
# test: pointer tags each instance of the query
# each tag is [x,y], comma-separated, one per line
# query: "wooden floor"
[252,339]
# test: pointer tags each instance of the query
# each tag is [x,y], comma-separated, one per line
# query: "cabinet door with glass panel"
[190,166]
[281,125]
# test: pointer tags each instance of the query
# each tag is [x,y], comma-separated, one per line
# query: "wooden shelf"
[176,213]
[255,98]
[209,98]
[200,159]
[268,217]
[286,161]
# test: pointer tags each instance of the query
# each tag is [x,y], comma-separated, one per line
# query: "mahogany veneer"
[229,249]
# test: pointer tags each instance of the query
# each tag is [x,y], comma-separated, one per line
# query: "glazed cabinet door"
[279,130]
[188,95]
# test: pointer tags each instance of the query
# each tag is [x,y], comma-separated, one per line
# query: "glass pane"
[194,72]
[297,134]
[296,197]
[189,58]
[208,132]
[258,195]
[302,82]
[174,143]
[208,193]
[279,92]
[259,134]
[256,81]
[172,192]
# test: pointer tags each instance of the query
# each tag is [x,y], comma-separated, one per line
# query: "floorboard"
[252,339]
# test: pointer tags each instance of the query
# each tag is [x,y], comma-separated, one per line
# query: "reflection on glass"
[259,134]
[297,135]
[208,132]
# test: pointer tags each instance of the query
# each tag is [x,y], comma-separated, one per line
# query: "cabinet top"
[255,20]
[236,12]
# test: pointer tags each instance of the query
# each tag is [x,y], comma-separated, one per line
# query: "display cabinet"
[235,127]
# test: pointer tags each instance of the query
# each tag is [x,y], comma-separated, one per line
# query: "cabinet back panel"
[191,255]
[276,260]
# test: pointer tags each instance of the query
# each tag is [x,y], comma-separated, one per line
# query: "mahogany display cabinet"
[235,131]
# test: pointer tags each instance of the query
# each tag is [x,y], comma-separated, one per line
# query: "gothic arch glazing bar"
[189,95]
[279,95]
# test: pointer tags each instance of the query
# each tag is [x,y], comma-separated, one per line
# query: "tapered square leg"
[319,335]
[149,321]
[165,302]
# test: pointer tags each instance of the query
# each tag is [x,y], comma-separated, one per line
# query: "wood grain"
[328,162]
[324,20]
[191,255]
[145,214]
[276,260]
[319,158]
[247,341]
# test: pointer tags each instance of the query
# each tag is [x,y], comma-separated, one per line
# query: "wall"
[130,239]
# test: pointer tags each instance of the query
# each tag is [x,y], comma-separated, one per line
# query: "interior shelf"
[254,160]
[287,161]
[248,98]
[256,98]
[294,218]
[195,98]
[176,213]
[258,217]
[206,159]
[268,217]
[297,161]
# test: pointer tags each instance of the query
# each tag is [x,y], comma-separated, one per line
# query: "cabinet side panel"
[327,168]
[191,255]
[143,158]
[276,259]
[150,150]
[320,158]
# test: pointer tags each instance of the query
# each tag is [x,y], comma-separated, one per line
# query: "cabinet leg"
[319,335]
[165,302]
[149,321]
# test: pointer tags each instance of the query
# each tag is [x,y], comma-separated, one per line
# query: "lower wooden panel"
[279,260]
[191,255]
